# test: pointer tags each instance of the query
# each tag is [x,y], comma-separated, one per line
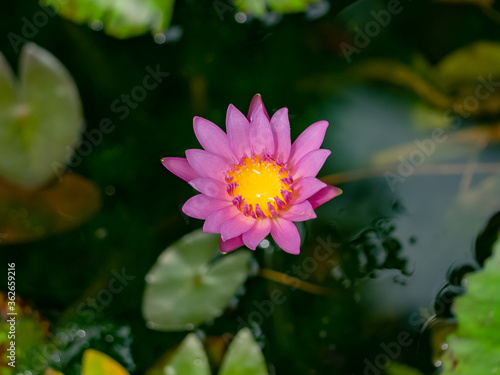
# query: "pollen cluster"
[260,186]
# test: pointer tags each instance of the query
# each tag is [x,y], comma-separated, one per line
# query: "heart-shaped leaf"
[189,359]
[40,118]
[184,288]
[96,363]
[244,356]
[121,19]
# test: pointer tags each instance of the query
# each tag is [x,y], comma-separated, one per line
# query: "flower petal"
[280,124]
[310,139]
[310,165]
[303,189]
[299,212]
[261,135]
[211,188]
[238,131]
[324,195]
[236,226]
[230,245]
[207,164]
[257,233]
[215,220]
[212,138]
[200,206]
[286,235]
[180,167]
[256,100]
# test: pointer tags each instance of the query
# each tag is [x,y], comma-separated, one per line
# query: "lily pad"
[121,19]
[189,359]
[27,215]
[244,356]
[96,363]
[187,286]
[40,118]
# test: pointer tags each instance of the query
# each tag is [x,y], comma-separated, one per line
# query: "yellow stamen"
[261,186]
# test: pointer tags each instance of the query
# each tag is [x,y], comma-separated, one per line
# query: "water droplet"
[151,325]
[264,244]
[317,9]
[438,363]
[444,346]
[110,190]
[81,333]
[493,370]
[27,372]
[160,38]
[240,17]
[56,358]
[109,338]
[189,327]
[101,233]
[96,25]
[169,370]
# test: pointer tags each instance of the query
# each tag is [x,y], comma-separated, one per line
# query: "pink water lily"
[252,180]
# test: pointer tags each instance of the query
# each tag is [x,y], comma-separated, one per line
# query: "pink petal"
[211,187]
[207,164]
[215,220]
[261,135]
[286,235]
[256,101]
[299,212]
[180,167]
[324,195]
[230,245]
[200,206]
[304,188]
[280,125]
[238,131]
[310,139]
[310,165]
[212,138]
[236,226]
[257,233]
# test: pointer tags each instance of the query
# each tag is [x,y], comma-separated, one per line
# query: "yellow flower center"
[260,186]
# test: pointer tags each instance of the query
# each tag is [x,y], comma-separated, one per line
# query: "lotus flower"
[252,180]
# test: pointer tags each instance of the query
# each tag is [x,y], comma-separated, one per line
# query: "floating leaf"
[184,288]
[474,348]
[96,363]
[121,19]
[189,359]
[28,215]
[244,356]
[40,118]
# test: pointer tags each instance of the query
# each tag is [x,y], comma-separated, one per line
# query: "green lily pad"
[474,348]
[189,359]
[121,19]
[185,288]
[244,356]
[40,118]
